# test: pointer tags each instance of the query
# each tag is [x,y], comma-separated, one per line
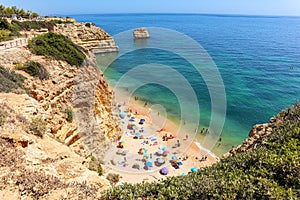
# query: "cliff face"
[88,36]
[67,145]
[83,91]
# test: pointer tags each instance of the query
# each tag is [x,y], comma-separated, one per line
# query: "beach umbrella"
[149,163]
[174,157]
[160,161]
[165,153]
[122,115]
[194,169]
[142,150]
[163,148]
[159,152]
[164,171]
[138,134]
[142,120]
[121,144]
[132,118]
[182,174]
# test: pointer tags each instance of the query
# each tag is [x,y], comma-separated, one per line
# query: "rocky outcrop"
[82,90]
[88,36]
[141,33]
[260,132]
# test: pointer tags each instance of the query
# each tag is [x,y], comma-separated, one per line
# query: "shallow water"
[253,54]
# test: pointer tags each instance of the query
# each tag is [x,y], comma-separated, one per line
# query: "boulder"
[141,33]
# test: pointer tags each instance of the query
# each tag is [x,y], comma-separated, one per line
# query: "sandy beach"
[156,143]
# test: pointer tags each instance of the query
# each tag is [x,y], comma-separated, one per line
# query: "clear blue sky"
[247,7]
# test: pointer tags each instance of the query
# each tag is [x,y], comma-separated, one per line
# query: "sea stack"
[141,33]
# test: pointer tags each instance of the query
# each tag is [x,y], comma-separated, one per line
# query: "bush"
[4,25]
[38,126]
[69,113]
[34,69]
[5,35]
[58,47]
[95,165]
[113,178]
[10,80]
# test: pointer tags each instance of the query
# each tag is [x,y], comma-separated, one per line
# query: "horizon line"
[180,13]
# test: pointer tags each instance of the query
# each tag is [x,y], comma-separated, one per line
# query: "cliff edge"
[88,36]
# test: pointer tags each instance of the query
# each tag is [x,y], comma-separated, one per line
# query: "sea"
[256,57]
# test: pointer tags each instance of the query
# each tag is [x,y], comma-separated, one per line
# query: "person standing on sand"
[186,137]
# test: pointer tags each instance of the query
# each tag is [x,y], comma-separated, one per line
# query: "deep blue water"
[253,54]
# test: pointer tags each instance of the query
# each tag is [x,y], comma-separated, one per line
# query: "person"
[186,137]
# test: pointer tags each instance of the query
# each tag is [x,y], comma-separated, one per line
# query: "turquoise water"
[253,54]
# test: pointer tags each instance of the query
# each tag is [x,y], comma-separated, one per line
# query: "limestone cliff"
[67,145]
[83,90]
[88,36]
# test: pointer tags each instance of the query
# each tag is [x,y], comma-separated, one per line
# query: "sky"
[244,7]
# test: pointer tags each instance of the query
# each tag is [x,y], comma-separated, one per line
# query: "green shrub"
[95,165]
[34,69]
[10,80]
[113,178]
[69,113]
[58,47]
[4,25]
[5,35]
[38,126]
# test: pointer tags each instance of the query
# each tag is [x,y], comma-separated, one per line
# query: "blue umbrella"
[194,169]
[160,161]
[163,148]
[138,134]
[149,163]
[142,120]
[122,115]
[174,157]
[160,152]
